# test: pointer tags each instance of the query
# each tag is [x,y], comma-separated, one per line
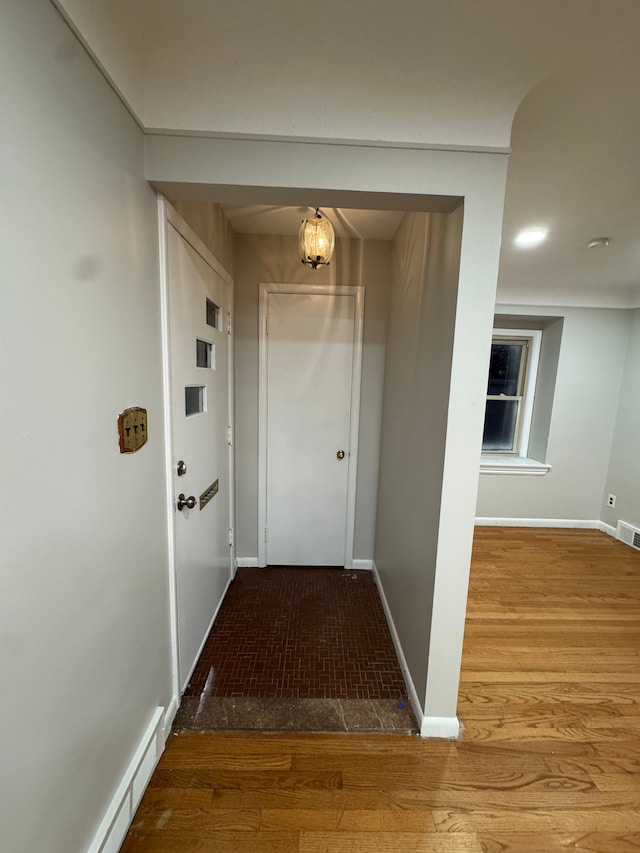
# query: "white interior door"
[199,306]
[311,377]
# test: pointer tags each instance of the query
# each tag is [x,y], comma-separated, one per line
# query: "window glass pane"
[504,368]
[193,399]
[203,353]
[213,314]
[500,421]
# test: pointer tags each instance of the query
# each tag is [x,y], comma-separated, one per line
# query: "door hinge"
[229,436]
[229,325]
[266,534]
[231,537]
[266,325]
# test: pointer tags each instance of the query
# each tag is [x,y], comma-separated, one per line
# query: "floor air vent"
[628,534]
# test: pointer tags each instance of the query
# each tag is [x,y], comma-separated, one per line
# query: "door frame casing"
[168,217]
[265,289]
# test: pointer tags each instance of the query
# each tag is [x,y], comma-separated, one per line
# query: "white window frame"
[534,338]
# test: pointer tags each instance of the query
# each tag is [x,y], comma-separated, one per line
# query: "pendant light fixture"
[316,240]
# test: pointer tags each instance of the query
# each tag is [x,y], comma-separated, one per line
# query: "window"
[205,354]
[510,391]
[213,314]
[195,400]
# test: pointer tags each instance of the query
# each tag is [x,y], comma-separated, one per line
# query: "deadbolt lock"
[340,454]
[181,469]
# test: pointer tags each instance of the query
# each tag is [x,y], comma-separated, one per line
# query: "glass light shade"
[316,241]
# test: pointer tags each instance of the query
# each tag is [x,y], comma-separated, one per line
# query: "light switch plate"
[132,429]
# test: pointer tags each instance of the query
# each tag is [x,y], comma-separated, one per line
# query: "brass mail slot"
[208,494]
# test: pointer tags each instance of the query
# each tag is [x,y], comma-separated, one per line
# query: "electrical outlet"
[611,500]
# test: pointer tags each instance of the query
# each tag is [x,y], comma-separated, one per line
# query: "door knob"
[185,502]
[340,454]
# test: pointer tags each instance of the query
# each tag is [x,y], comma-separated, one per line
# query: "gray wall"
[265,258]
[422,312]
[623,476]
[587,387]
[84,627]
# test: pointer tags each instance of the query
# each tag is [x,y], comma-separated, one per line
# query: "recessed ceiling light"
[598,243]
[530,237]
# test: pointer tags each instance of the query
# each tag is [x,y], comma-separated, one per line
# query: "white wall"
[588,381]
[84,629]
[264,258]
[623,476]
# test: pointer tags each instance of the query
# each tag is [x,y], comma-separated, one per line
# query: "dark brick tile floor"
[300,633]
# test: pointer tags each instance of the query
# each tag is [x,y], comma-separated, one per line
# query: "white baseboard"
[253,563]
[538,522]
[418,710]
[447,727]
[362,565]
[607,528]
[122,808]
[169,716]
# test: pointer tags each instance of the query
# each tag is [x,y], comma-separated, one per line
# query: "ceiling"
[348,223]
[557,80]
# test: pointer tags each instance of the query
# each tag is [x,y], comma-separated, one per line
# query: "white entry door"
[310,392]
[199,312]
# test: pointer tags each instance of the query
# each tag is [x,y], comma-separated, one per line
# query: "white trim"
[120,811]
[231,417]
[519,465]
[607,528]
[528,393]
[265,289]
[340,142]
[408,680]
[539,522]
[168,447]
[262,426]
[551,304]
[247,562]
[441,727]
[253,563]
[169,717]
[445,727]
[354,421]
[102,68]
[362,565]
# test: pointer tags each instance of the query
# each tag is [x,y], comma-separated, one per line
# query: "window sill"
[496,464]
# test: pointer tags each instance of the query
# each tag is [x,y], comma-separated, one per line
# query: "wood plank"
[202,822]
[596,842]
[388,842]
[537,820]
[229,842]
[349,820]
[259,780]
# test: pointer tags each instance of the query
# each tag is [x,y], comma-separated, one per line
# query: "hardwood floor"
[549,759]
